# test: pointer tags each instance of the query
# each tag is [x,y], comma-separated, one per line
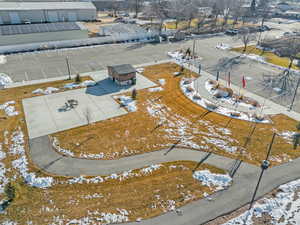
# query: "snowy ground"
[180,129]
[282,209]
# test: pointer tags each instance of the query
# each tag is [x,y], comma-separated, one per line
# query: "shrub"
[10,191]
[77,78]
[298,126]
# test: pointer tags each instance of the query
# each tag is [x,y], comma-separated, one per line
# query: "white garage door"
[52,16]
[14,18]
[72,16]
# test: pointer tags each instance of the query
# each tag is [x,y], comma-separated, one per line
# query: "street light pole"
[294,97]
[68,65]
[264,166]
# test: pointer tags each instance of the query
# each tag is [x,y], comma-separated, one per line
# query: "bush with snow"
[128,103]
[5,79]
[213,180]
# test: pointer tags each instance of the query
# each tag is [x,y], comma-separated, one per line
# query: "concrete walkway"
[270,106]
[204,93]
[198,212]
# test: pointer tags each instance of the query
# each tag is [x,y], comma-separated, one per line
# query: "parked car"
[263,28]
[232,32]
[119,20]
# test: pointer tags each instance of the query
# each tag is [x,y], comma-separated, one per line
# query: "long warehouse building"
[43,12]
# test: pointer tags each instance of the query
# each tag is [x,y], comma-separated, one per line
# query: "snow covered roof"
[123,69]
[16,6]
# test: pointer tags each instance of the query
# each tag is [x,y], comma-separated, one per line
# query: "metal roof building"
[41,12]
[44,32]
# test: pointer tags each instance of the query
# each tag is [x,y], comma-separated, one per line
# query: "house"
[124,74]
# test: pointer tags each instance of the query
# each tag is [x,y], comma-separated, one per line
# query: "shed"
[41,12]
[124,74]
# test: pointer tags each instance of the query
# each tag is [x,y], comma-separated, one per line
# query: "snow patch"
[213,180]
[283,208]
[3,59]
[156,89]
[223,46]
[128,102]
[21,164]
[9,108]
[162,82]
[47,91]
[87,83]
[5,79]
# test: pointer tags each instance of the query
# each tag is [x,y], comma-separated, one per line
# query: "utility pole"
[68,65]
[264,166]
[294,97]
[199,71]
[194,46]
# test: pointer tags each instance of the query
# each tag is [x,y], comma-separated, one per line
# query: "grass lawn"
[167,117]
[269,56]
[142,196]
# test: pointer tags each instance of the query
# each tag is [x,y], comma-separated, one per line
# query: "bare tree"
[263,10]
[176,11]
[292,50]
[161,10]
[245,36]
[236,11]
[87,115]
[136,6]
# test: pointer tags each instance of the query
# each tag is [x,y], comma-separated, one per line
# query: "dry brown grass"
[136,195]
[139,132]
[67,201]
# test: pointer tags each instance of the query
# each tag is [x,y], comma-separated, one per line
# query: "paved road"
[199,212]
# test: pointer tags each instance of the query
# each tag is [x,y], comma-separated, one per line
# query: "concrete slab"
[44,114]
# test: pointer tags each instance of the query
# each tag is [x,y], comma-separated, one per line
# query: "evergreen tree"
[253,7]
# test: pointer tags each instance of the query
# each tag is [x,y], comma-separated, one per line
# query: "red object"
[244,82]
